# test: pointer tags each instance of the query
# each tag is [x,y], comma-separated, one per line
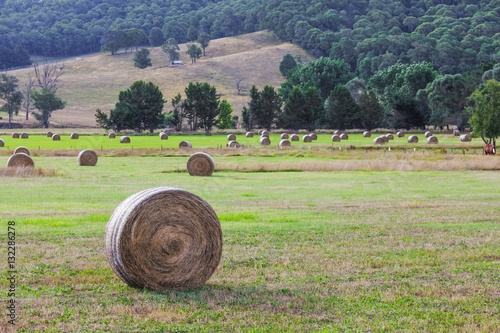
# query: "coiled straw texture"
[200,164]
[22,149]
[87,157]
[20,160]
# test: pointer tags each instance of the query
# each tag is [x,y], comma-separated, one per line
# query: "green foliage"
[204,40]
[201,106]
[287,63]
[485,112]
[175,116]
[246,118]
[114,40]
[11,57]
[9,92]
[225,120]
[142,59]
[372,112]
[303,110]
[171,47]
[192,34]
[194,52]
[266,108]
[156,37]
[46,102]
[343,112]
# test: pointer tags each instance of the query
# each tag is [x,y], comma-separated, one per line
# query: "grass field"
[303,250]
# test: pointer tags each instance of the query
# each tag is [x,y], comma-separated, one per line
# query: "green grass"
[303,251]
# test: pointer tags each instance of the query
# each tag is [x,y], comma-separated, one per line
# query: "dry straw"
[307,138]
[380,140]
[465,138]
[233,144]
[335,138]
[264,141]
[338,132]
[432,140]
[367,134]
[231,137]
[412,139]
[285,143]
[265,133]
[15,135]
[185,144]
[428,134]
[164,239]
[294,137]
[87,157]
[389,136]
[22,150]
[24,135]
[49,134]
[284,136]
[111,135]
[200,164]
[163,136]
[344,136]
[400,134]
[208,133]
[56,137]
[20,160]
[249,135]
[124,139]
[260,132]
[314,136]
[2,143]
[74,136]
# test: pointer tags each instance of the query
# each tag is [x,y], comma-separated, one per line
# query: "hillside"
[94,81]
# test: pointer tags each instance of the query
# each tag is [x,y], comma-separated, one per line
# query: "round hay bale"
[338,132]
[20,160]
[249,135]
[264,141]
[185,144]
[87,157]
[432,140]
[389,136]
[231,137]
[15,135]
[265,133]
[285,143]
[284,136]
[164,239]
[427,134]
[367,134]
[335,138]
[344,136]
[307,138]
[314,136]
[2,143]
[294,137]
[163,136]
[49,134]
[56,137]
[200,164]
[260,132]
[412,139]
[111,135]
[465,137]
[456,132]
[233,144]
[22,150]
[379,140]
[74,136]
[24,135]
[208,133]
[124,139]
[400,134]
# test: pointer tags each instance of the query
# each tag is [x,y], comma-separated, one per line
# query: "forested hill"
[368,34]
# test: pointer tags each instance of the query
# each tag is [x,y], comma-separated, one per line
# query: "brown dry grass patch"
[27,172]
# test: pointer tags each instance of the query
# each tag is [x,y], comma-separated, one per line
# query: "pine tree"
[343,112]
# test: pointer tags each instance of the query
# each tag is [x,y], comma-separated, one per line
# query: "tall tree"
[192,34]
[225,120]
[46,102]
[171,47]
[201,105]
[156,37]
[177,112]
[142,59]
[287,64]
[343,112]
[204,40]
[372,112]
[194,52]
[9,92]
[291,117]
[269,107]
[485,112]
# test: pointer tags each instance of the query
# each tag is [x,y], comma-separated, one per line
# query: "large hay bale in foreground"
[264,141]
[249,135]
[284,136]
[56,137]
[111,135]
[22,149]
[285,143]
[335,138]
[367,134]
[427,134]
[294,137]
[49,134]
[432,140]
[20,160]
[231,137]
[15,135]
[124,139]
[314,136]
[185,144]
[2,143]
[465,138]
[344,136]
[163,136]
[412,139]
[74,136]
[389,136]
[307,138]
[87,157]
[380,140]
[24,135]
[400,134]
[200,164]
[265,133]
[233,144]
[164,239]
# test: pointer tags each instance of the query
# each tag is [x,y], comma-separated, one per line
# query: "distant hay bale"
[124,139]
[164,239]
[294,137]
[314,136]
[307,138]
[412,139]
[49,134]
[432,140]
[465,138]
[56,137]
[389,136]
[338,132]
[260,132]
[400,134]
[284,136]
[456,132]
[200,164]
[367,134]
[344,136]
[24,135]
[427,134]
[111,135]
[285,143]
[74,136]
[233,144]
[2,143]
[15,135]
[87,157]
[231,137]
[20,160]
[22,149]
[380,140]
[208,133]
[335,138]
[264,141]
[249,135]
[265,133]
[163,136]
[185,144]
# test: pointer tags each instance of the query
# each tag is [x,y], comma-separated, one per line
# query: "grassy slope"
[95,81]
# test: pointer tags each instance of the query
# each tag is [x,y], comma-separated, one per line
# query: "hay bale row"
[336,138]
[87,157]
[20,160]
[200,164]
[294,137]
[164,239]
[22,149]
[284,136]
[264,141]
[163,136]
[412,139]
